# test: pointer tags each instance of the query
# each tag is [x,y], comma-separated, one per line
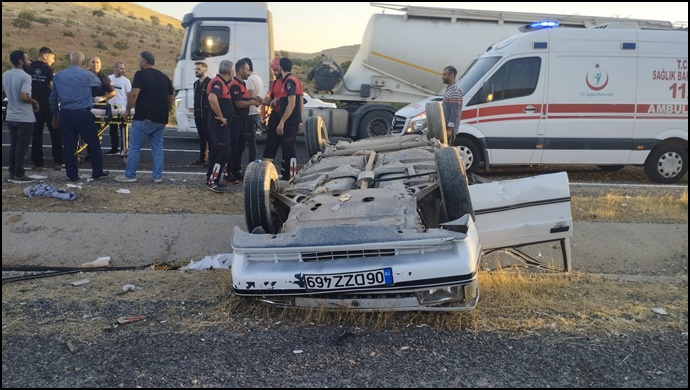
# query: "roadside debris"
[220,261]
[80,282]
[43,189]
[98,263]
[659,311]
[123,191]
[127,320]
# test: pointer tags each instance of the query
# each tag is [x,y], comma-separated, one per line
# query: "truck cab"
[215,32]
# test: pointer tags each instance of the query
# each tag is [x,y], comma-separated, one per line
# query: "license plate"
[379,277]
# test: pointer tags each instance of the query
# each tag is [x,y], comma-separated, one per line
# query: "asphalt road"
[181,149]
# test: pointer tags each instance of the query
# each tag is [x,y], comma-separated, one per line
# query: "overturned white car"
[386,224]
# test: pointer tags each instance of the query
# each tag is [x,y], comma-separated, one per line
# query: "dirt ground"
[174,327]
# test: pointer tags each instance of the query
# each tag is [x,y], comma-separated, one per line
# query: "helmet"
[275,63]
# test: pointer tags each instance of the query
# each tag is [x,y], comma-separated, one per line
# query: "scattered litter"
[127,320]
[345,198]
[99,262]
[297,351]
[49,191]
[90,179]
[128,287]
[71,347]
[86,316]
[80,282]
[123,191]
[38,177]
[223,260]
[171,179]
[78,185]
[404,348]
[659,310]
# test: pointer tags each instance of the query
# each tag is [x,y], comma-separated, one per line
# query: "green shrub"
[43,21]
[121,45]
[27,15]
[21,24]
[98,13]
[101,45]
[68,33]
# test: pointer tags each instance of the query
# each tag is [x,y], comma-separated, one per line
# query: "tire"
[611,168]
[667,163]
[452,180]
[436,122]
[260,179]
[315,135]
[469,151]
[375,123]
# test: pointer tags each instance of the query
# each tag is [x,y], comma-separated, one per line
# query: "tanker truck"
[400,58]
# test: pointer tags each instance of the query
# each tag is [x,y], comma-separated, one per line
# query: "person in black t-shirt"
[41,86]
[201,111]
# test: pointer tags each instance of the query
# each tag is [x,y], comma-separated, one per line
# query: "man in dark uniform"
[41,85]
[201,111]
[219,117]
[291,105]
[242,102]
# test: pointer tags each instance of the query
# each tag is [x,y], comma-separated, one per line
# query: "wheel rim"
[466,154]
[670,164]
[378,127]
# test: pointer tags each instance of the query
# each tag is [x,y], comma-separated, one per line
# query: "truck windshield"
[476,71]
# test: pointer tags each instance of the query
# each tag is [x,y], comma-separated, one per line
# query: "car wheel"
[375,123]
[452,180]
[469,153]
[611,168]
[667,163]
[436,122]
[315,135]
[260,179]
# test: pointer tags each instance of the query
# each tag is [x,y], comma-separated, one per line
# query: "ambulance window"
[210,41]
[516,78]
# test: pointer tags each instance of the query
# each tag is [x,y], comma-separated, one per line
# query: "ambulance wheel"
[469,151]
[452,180]
[315,135]
[260,180]
[436,122]
[667,163]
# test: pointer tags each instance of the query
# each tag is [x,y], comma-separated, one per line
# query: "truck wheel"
[452,180]
[261,178]
[469,153]
[315,135]
[375,123]
[667,163]
[436,122]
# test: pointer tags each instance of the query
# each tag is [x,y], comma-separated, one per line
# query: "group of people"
[228,110]
[63,101]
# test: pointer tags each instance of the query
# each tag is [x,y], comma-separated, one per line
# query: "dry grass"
[625,208]
[511,300]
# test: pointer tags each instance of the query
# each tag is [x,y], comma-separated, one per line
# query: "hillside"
[111,31]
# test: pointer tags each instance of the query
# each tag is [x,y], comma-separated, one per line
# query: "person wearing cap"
[41,72]
[271,101]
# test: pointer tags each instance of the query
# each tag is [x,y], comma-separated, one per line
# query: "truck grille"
[398,124]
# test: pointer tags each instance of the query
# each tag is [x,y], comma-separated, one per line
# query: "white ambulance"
[610,96]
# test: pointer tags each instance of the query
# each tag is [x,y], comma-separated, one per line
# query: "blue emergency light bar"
[540,25]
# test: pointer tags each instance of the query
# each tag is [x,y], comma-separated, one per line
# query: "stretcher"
[107,114]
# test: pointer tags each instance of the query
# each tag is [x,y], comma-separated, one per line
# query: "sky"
[312,27]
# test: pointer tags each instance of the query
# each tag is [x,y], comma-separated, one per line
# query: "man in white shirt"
[122,87]
[255,87]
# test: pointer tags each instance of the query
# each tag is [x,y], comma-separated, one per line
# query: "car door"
[511,116]
[513,213]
